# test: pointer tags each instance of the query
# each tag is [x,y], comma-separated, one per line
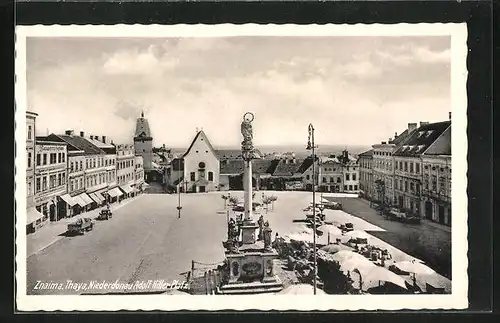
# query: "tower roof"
[142,127]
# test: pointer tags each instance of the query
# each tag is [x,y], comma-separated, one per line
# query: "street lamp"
[179,207]
[311,146]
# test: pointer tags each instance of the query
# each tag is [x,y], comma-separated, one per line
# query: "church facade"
[198,169]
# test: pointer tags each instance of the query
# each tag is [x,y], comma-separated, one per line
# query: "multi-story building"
[50,177]
[307,176]
[408,166]
[350,173]
[365,162]
[101,194]
[383,172]
[30,155]
[198,169]
[330,175]
[125,168]
[143,142]
[436,190]
[139,174]
[93,167]
[76,181]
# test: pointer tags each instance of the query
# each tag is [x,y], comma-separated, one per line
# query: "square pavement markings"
[52,232]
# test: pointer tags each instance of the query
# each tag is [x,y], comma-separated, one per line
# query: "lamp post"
[179,207]
[311,146]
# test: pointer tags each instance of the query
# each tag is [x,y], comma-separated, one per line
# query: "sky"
[354,90]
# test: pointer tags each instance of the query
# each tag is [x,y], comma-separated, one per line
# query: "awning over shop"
[99,197]
[85,198]
[32,215]
[144,184]
[68,199]
[115,192]
[94,197]
[126,188]
[79,200]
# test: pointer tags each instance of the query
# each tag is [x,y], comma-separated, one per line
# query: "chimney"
[395,135]
[412,126]
[82,134]
[69,132]
[390,140]
[103,139]
[423,123]
[96,138]
[383,142]
[91,137]
[449,115]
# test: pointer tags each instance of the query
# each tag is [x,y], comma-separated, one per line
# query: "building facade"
[383,172]
[408,175]
[350,173]
[125,168]
[30,158]
[50,178]
[365,162]
[201,165]
[108,165]
[331,175]
[139,173]
[143,142]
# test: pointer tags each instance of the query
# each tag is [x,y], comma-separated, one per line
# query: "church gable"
[200,146]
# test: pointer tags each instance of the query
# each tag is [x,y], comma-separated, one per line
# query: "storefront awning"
[32,215]
[145,184]
[100,197]
[86,199]
[79,200]
[126,188]
[115,192]
[94,197]
[68,199]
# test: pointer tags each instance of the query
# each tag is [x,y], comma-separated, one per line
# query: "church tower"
[143,142]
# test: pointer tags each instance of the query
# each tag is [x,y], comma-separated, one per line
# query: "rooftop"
[142,127]
[77,143]
[421,139]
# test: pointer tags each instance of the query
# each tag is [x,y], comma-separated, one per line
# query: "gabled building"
[330,175]
[198,168]
[350,172]
[408,165]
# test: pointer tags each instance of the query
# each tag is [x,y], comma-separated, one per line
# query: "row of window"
[366,164]
[46,183]
[125,164]
[413,167]
[96,162]
[202,176]
[43,159]
[382,153]
[101,178]
[433,183]
[437,168]
[407,187]
[383,164]
[124,178]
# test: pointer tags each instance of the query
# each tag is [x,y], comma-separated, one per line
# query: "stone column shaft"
[247,182]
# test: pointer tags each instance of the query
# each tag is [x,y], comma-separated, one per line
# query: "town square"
[322,171]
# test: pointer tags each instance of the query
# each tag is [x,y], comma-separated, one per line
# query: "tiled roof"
[421,139]
[286,168]
[402,136]
[368,153]
[232,153]
[442,145]
[77,143]
[259,166]
[306,163]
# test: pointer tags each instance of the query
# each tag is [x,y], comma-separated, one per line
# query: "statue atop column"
[247,147]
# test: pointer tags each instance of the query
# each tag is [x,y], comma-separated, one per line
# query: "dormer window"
[429,132]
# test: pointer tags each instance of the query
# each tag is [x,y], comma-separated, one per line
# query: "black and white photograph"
[243,164]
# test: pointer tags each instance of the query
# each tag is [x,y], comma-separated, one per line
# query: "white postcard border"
[457,300]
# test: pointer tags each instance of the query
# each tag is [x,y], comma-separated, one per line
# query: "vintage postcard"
[234,167]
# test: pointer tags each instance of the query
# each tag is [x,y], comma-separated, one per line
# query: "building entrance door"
[202,189]
[441,214]
[428,210]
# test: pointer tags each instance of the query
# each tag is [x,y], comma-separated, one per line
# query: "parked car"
[80,226]
[332,205]
[105,214]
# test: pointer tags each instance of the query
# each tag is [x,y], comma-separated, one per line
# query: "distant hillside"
[298,150]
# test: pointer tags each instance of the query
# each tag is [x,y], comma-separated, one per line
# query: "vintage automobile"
[80,226]
[347,227]
[332,205]
[105,214]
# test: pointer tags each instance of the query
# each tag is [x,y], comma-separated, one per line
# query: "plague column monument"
[249,262]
